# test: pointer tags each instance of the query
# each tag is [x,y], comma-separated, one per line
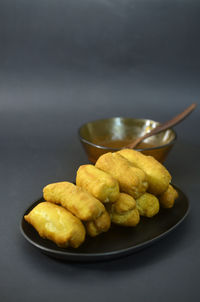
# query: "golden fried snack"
[168,198]
[97,182]
[157,175]
[131,179]
[123,211]
[98,225]
[57,224]
[147,205]
[76,200]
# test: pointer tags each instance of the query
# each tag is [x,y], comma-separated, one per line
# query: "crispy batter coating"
[124,203]
[124,212]
[56,224]
[98,225]
[97,182]
[147,205]
[157,175]
[131,179]
[168,198]
[76,200]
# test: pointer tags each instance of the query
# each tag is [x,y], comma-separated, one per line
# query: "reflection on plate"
[118,241]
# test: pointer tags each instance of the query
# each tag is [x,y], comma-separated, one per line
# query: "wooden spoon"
[174,121]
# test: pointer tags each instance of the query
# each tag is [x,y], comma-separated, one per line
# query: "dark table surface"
[63,64]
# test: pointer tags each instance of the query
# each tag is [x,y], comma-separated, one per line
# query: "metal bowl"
[112,134]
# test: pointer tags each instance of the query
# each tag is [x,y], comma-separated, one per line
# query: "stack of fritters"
[97,182]
[119,188]
[158,177]
[57,224]
[131,179]
[124,211]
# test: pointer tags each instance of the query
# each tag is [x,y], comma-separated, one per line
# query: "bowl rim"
[117,149]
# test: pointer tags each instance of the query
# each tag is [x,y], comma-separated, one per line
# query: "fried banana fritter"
[131,180]
[78,201]
[97,182]
[123,211]
[147,205]
[168,198]
[56,224]
[157,175]
[98,225]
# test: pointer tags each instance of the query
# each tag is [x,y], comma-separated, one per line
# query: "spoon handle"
[174,121]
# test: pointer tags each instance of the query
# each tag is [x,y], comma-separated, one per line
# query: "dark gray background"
[63,63]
